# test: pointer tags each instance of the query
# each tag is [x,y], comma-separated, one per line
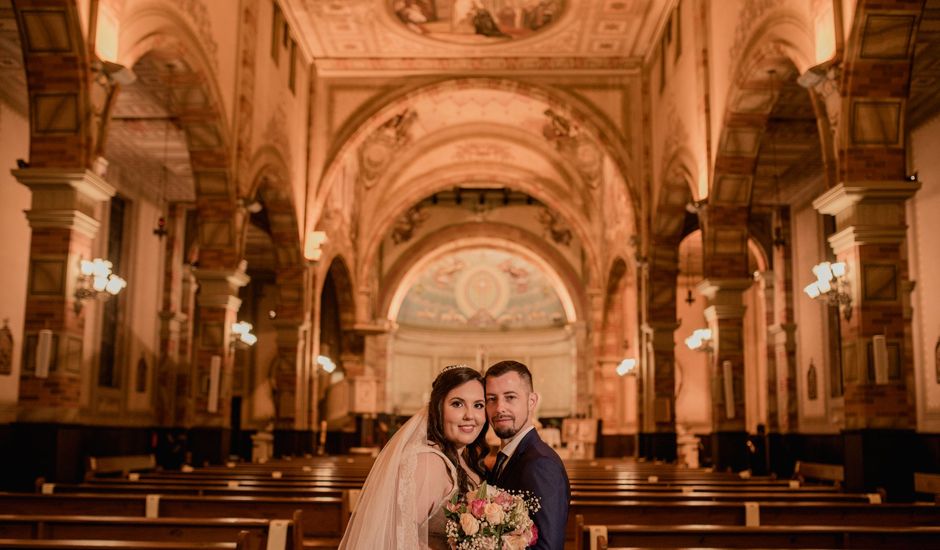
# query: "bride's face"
[464,413]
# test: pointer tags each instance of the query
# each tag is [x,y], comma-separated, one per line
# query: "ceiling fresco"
[482,289]
[478,22]
[389,29]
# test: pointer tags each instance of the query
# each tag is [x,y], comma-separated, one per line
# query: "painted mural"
[476,21]
[481,289]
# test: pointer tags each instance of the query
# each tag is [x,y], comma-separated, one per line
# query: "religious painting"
[140,377]
[812,382]
[476,22]
[6,349]
[483,289]
[936,358]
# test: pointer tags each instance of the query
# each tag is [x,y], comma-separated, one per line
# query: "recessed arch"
[510,179]
[187,78]
[395,284]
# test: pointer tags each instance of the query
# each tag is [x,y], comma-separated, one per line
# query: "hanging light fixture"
[160,230]
[831,286]
[689,297]
[778,239]
[96,280]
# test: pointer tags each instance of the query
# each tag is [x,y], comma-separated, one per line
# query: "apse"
[479,305]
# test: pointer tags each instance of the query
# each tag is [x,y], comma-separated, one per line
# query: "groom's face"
[510,403]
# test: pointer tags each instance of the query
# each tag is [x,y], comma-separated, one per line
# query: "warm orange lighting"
[106,34]
[825,33]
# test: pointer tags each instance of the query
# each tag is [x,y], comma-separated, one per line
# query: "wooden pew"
[927,484]
[256,532]
[29,544]
[741,514]
[122,465]
[733,496]
[610,537]
[323,517]
[833,473]
[194,489]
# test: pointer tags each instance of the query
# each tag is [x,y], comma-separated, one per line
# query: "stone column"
[288,344]
[63,217]
[661,441]
[218,304]
[659,328]
[879,402]
[172,318]
[725,316]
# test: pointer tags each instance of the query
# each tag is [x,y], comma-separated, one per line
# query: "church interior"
[235,227]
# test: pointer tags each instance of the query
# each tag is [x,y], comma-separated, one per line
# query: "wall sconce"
[700,340]
[627,366]
[832,286]
[96,280]
[241,332]
[328,365]
[313,248]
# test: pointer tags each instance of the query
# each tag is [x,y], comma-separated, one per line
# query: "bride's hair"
[474,453]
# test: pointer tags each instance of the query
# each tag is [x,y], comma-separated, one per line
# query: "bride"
[436,454]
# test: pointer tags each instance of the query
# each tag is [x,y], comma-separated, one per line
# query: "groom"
[524,462]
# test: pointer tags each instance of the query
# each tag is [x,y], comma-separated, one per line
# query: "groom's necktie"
[498,467]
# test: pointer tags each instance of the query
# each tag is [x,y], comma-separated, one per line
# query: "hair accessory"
[451,367]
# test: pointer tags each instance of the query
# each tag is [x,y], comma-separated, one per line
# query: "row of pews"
[723,510]
[291,504]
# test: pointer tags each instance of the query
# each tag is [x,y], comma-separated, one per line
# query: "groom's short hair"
[503,367]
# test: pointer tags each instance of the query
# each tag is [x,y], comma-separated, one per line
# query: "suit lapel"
[515,459]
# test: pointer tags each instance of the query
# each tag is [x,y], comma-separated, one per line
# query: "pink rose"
[477,507]
[535,535]
[504,499]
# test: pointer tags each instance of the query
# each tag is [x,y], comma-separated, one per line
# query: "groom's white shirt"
[509,448]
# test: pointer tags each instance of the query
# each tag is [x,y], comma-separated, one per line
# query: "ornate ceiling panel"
[389,29]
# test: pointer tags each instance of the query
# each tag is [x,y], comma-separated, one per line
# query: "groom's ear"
[533,400]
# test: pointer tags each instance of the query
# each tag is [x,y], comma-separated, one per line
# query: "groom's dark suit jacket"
[536,467]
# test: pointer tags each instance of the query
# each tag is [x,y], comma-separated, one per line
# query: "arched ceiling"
[12,73]
[362,29]
[145,136]
[482,134]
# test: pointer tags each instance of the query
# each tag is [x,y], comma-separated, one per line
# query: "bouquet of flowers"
[489,518]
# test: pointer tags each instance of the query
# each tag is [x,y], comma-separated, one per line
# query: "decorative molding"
[619,65]
[197,12]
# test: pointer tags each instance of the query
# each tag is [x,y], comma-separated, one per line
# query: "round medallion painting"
[476,21]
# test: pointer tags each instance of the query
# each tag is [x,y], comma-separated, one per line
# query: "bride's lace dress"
[402,502]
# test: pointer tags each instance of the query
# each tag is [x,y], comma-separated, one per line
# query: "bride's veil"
[384,518]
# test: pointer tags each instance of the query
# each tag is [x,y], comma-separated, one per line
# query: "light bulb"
[87,268]
[115,285]
[823,272]
[249,338]
[812,290]
[99,283]
[838,269]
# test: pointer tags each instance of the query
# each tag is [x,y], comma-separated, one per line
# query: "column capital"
[653,327]
[64,198]
[46,182]
[866,234]
[219,287]
[847,195]
[716,289]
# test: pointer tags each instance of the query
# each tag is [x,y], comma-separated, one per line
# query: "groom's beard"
[508,431]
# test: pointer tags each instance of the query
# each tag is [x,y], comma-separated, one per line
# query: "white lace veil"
[384,518]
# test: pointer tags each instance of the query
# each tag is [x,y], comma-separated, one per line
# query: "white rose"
[514,542]
[494,513]
[469,524]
